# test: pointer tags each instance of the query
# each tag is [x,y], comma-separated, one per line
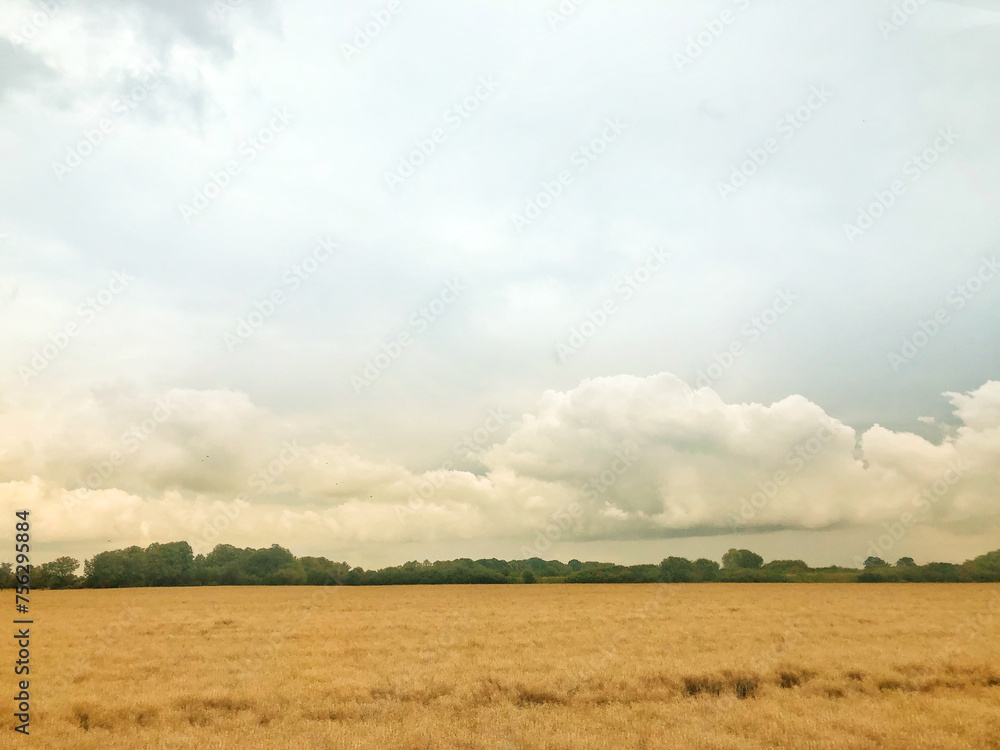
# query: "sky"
[400,280]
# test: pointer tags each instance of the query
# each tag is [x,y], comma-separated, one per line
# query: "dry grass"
[544,666]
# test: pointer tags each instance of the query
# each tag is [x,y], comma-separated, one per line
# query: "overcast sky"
[407,280]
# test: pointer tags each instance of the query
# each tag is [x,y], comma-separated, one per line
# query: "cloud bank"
[615,458]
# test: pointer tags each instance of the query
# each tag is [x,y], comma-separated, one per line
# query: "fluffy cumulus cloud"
[614,458]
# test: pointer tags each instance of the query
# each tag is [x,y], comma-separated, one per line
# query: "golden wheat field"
[528,666]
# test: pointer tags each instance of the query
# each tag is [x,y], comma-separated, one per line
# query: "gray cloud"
[207,25]
[19,68]
[618,458]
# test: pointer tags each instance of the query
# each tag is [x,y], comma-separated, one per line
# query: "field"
[527,666]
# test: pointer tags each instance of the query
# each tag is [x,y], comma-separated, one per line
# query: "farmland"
[518,666]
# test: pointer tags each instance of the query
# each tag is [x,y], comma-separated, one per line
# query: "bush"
[741,558]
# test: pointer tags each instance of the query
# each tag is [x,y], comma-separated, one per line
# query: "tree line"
[175,564]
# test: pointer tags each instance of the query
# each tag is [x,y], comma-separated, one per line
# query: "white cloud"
[634,457]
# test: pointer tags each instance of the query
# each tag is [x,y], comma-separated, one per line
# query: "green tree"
[292,575]
[905,562]
[741,558]
[705,569]
[528,577]
[263,562]
[984,568]
[6,576]
[874,562]
[58,574]
[322,572]
[676,570]
[115,568]
[786,570]
[39,577]
[942,572]
[355,577]
[223,555]
[168,564]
